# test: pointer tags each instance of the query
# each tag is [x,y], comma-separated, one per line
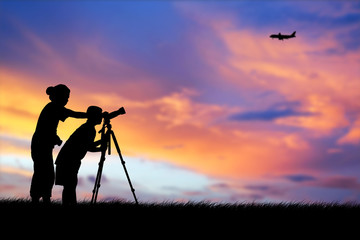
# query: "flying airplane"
[282,37]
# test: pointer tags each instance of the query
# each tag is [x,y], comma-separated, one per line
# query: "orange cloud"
[353,136]
[325,117]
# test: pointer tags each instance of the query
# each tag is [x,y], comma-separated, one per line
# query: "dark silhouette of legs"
[42,181]
[69,191]
[46,200]
[69,195]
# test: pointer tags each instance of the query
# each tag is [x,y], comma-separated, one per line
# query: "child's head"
[59,94]
[94,114]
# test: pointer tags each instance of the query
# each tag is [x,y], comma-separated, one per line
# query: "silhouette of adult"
[74,150]
[45,138]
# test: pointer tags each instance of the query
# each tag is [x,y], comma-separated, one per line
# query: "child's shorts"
[66,175]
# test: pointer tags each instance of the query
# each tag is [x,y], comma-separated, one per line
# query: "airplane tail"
[293,34]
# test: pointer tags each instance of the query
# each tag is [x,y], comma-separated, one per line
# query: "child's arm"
[94,148]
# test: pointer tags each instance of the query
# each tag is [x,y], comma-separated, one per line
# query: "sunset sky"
[216,110]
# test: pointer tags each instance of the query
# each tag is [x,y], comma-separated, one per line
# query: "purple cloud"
[300,178]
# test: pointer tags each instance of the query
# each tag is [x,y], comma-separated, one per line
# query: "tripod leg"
[123,163]
[97,180]
[105,142]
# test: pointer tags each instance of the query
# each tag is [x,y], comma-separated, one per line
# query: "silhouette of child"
[74,150]
[45,138]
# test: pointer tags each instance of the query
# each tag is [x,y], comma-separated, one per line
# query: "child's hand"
[58,141]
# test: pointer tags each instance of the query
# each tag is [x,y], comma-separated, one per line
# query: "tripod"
[105,145]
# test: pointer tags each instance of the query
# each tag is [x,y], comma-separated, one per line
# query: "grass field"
[168,206]
[199,217]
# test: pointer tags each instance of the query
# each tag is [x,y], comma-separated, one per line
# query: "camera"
[107,116]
